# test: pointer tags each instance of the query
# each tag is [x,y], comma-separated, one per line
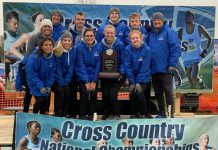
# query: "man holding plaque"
[112,72]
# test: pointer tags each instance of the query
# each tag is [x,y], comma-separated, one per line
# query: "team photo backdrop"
[97,14]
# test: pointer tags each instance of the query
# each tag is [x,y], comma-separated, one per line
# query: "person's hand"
[138,88]
[92,86]
[48,89]
[88,87]
[43,90]
[171,69]
[131,87]
[203,53]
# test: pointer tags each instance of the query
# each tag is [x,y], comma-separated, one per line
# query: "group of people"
[65,60]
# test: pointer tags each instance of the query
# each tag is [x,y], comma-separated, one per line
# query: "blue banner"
[97,14]
[54,133]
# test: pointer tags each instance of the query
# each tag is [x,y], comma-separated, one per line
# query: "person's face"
[46,30]
[39,19]
[136,40]
[57,137]
[13,24]
[169,141]
[47,47]
[114,17]
[67,43]
[79,21]
[56,18]
[155,142]
[109,34]
[89,38]
[102,143]
[157,23]
[128,142]
[189,19]
[135,23]
[35,129]
[205,140]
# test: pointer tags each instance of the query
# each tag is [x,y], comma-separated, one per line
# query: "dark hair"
[30,123]
[88,29]
[54,130]
[12,14]
[188,13]
[34,16]
[40,50]
[57,12]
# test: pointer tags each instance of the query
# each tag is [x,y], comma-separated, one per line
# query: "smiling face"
[109,34]
[13,24]
[46,30]
[204,140]
[56,18]
[47,47]
[136,39]
[114,17]
[67,43]
[89,37]
[157,23]
[79,21]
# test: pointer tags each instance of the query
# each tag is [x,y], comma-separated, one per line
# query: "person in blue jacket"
[40,74]
[88,57]
[58,28]
[64,73]
[165,53]
[138,71]
[122,29]
[77,28]
[111,86]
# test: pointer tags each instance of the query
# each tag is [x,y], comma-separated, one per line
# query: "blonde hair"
[137,32]
[109,27]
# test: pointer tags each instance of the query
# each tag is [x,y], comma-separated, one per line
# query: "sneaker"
[83,117]
[104,117]
[135,116]
[147,116]
[113,117]
[202,84]
[161,116]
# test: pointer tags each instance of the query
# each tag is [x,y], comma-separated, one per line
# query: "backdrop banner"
[97,14]
[43,132]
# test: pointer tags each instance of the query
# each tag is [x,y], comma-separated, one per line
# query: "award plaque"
[109,65]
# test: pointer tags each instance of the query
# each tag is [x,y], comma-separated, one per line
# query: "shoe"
[147,116]
[83,117]
[113,117]
[104,117]
[202,84]
[161,116]
[135,116]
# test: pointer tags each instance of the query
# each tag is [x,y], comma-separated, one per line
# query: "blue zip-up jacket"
[122,31]
[56,32]
[88,60]
[21,77]
[65,67]
[137,64]
[40,73]
[119,48]
[165,49]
